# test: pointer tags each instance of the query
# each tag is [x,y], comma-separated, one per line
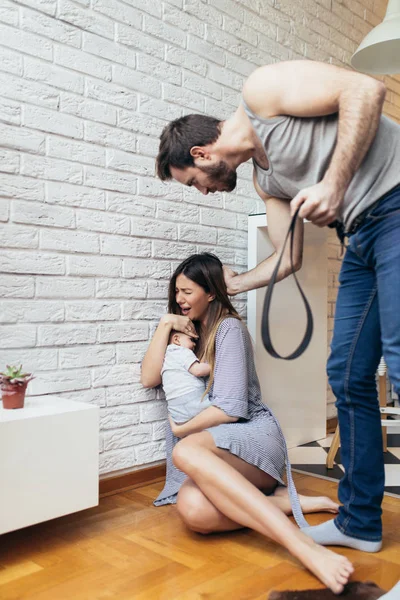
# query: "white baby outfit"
[183,391]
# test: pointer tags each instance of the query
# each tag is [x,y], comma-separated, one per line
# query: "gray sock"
[393,594]
[327,534]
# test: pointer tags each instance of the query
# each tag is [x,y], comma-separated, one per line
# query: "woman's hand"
[181,323]
[176,429]
[209,417]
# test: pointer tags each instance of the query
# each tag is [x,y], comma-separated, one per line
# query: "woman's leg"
[309,504]
[201,516]
[244,504]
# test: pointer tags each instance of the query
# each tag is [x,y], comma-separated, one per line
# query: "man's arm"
[278,219]
[312,89]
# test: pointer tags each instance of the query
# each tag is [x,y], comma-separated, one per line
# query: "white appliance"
[296,390]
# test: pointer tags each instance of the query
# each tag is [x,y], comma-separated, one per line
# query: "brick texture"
[88,235]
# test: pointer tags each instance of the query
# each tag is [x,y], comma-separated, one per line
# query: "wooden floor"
[127,549]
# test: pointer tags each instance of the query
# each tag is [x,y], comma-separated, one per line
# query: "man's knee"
[336,369]
[194,509]
[349,379]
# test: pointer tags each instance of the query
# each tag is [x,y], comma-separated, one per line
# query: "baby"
[182,378]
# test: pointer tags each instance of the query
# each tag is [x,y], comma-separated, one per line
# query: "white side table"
[48,460]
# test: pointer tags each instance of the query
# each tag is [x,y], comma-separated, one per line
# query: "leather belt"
[265,332]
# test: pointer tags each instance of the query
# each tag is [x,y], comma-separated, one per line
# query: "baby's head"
[181,339]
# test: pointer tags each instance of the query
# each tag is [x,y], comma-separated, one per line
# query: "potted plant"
[13,384]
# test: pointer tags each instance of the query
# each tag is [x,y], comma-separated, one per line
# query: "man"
[318,140]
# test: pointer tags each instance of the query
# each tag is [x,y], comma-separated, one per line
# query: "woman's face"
[192,299]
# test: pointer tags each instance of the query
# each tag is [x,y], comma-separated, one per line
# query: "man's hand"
[319,203]
[229,276]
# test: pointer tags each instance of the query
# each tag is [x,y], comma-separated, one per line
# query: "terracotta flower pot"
[13,395]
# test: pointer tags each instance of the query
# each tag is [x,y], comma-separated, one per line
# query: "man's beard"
[221,173]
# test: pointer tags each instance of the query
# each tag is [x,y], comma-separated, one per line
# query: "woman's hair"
[179,136]
[205,269]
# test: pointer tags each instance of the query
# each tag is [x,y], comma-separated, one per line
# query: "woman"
[225,466]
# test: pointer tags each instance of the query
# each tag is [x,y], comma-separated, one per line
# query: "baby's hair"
[171,335]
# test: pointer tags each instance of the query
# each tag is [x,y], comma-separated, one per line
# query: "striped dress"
[256,437]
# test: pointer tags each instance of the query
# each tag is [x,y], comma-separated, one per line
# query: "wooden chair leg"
[333,449]
[383,402]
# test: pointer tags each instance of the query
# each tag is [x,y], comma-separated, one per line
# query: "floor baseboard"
[130,480]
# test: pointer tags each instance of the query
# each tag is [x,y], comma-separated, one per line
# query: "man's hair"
[179,136]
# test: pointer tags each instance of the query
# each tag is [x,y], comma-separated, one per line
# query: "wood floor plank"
[244,583]
[152,543]
[185,582]
[17,571]
[129,550]
[225,583]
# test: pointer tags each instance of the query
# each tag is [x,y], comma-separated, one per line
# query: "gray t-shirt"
[183,391]
[299,151]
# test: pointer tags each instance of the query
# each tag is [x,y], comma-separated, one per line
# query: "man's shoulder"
[264,86]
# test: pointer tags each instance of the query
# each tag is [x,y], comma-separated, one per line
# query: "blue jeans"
[367,326]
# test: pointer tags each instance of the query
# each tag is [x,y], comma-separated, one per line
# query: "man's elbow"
[298,263]
[376,90]
[288,268]
[380,90]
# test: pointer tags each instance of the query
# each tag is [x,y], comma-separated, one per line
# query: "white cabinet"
[296,391]
[48,460]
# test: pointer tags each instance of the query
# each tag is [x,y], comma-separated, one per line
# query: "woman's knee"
[185,452]
[181,454]
[194,509]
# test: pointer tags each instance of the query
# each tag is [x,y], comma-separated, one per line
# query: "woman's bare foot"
[334,570]
[310,504]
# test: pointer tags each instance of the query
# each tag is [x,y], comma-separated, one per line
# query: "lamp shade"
[379,52]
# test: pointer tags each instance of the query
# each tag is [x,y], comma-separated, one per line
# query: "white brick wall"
[88,236]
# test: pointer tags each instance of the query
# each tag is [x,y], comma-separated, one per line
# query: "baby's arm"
[200,369]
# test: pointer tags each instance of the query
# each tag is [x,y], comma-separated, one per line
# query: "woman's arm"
[153,359]
[209,417]
[230,389]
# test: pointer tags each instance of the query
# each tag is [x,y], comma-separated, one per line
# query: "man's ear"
[200,153]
